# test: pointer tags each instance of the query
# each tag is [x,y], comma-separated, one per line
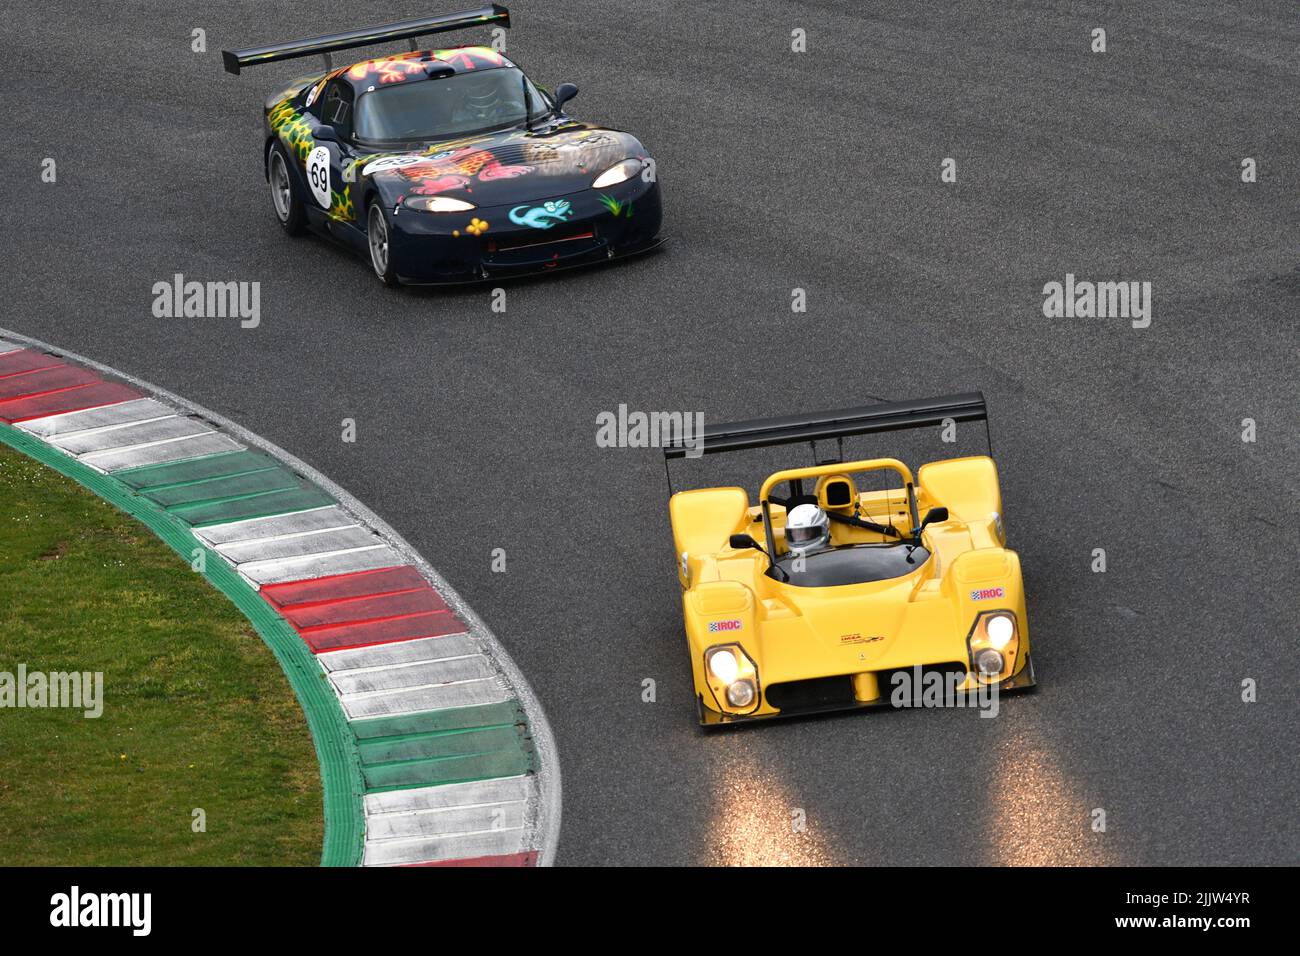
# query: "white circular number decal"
[318,174]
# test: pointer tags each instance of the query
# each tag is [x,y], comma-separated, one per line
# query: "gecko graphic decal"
[542,217]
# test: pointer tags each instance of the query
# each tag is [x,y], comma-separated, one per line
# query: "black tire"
[285,201]
[378,233]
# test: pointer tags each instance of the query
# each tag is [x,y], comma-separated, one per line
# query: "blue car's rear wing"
[820,426]
[403,30]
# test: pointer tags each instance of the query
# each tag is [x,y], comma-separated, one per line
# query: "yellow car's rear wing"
[825,426]
[822,426]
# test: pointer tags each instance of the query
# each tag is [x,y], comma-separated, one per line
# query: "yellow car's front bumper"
[824,703]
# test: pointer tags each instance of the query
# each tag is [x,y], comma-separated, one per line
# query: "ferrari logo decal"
[859,639]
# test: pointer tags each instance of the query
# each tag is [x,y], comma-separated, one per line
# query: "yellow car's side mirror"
[933,515]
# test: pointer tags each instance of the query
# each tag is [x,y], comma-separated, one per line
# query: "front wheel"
[287,205]
[377,238]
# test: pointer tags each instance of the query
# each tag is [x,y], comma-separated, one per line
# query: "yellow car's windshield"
[850,564]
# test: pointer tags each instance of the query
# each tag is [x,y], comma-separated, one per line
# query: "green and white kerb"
[433,749]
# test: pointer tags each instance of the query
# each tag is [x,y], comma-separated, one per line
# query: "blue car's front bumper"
[489,243]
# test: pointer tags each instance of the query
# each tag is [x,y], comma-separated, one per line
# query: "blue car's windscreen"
[448,106]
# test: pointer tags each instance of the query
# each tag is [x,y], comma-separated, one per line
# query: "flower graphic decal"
[476,227]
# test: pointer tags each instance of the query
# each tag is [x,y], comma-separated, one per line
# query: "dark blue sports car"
[443,166]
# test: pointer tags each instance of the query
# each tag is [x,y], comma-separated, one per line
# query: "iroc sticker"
[988,594]
[716,627]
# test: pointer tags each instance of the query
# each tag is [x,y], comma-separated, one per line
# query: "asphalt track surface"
[821,171]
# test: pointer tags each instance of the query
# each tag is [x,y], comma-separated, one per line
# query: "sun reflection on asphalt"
[1036,812]
[754,823]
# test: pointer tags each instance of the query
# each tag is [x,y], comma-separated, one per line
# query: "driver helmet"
[482,96]
[807,528]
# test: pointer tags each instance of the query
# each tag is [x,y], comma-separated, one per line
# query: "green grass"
[197,713]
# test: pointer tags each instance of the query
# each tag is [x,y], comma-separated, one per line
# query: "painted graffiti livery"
[449,165]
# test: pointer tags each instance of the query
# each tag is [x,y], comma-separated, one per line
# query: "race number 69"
[318,175]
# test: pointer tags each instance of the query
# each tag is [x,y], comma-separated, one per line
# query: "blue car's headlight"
[619,173]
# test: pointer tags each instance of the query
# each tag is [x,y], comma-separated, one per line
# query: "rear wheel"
[378,239]
[284,199]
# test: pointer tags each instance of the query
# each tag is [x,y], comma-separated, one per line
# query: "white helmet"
[806,528]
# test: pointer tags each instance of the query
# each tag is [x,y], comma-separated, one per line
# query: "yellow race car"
[832,592]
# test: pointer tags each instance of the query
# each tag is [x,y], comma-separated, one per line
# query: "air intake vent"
[813,694]
[949,676]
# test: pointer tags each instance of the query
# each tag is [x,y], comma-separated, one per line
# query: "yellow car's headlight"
[990,663]
[1000,629]
[732,677]
[994,643]
[740,694]
[437,204]
[723,665]
[619,173]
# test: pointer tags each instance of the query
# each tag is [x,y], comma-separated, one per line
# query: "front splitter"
[1024,680]
[503,273]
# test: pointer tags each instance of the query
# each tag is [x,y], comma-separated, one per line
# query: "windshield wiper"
[551,111]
